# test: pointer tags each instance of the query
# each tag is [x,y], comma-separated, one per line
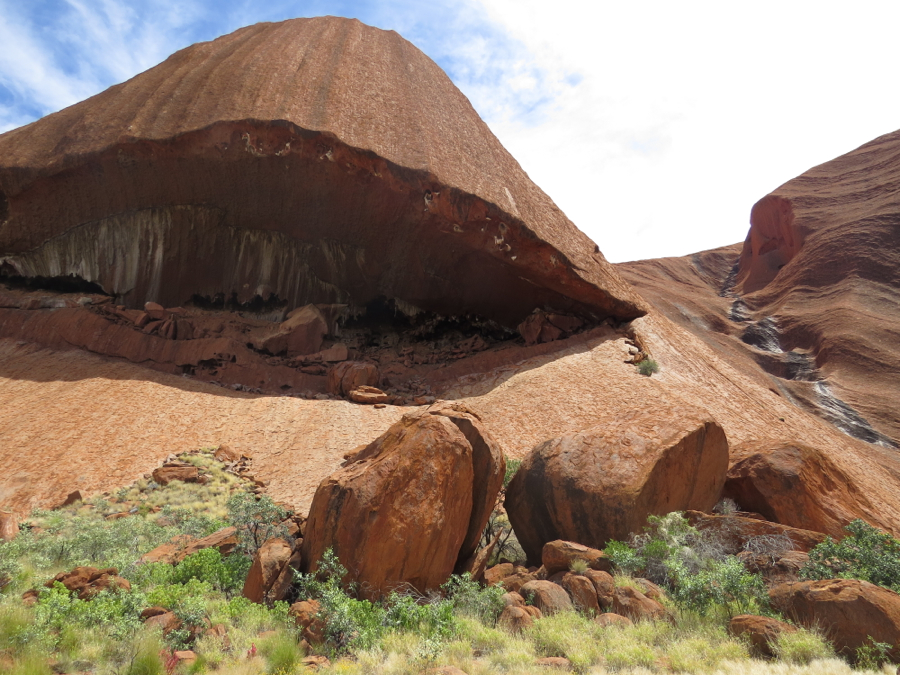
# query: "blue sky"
[655,126]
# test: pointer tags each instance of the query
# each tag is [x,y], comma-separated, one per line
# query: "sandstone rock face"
[849,611]
[602,483]
[311,160]
[402,512]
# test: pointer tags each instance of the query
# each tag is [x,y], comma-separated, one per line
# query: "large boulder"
[602,483]
[547,596]
[270,574]
[558,556]
[850,612]
[301,333]
[796,485]
[403,510]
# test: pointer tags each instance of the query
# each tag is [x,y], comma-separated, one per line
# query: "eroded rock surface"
[309,161]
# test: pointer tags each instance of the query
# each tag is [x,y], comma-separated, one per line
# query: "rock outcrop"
[410,507]
[602,483]
[271,573]
[851,613]
[311,161]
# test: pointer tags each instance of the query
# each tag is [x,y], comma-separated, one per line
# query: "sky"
[654,125]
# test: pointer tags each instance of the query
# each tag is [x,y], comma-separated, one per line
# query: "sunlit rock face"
[309,161]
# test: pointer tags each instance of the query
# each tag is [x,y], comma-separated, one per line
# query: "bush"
[802,647]
[867,554]
[648,367]
[256,520]
[691,564]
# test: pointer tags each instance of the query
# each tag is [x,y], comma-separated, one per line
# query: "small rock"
[186,656]
[762,631]
[610,619]
[515,619]
[554,662]
[9,526]
[316,662]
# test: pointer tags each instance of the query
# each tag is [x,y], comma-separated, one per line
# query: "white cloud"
[687,113]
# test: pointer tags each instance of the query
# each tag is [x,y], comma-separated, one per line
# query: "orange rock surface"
[313,160]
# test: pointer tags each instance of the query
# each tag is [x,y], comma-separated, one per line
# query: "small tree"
[256,520]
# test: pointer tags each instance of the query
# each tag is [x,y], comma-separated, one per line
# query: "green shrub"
[224,574]
[873,656]
[512,466]
[802,647]
[281,652]
[867,553]
[691,564]
[256,520]
[648,367]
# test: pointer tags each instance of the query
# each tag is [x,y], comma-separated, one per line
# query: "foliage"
[866,553]
[802,647]
[512,466]
[872,656]
[647,367]
[691,564]
[256,520]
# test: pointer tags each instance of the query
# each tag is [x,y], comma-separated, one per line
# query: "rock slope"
[309,161]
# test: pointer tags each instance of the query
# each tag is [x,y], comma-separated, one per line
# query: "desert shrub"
[469,598]
[873,655]
[281,652]
[256,520]
[802,647]
[691,565]
[512,466]
[648,367]
[116,612]
[866,553]
[225,574]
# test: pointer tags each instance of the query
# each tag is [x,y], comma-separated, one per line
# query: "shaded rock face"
[602,483]
[798,486]
[409,508]
[309,161]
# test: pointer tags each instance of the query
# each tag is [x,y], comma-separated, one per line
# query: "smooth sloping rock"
[761,631]
[848,611]
[399,514]
[557,556]
[268,564]
[548,597]
[312,160]
[602,483]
